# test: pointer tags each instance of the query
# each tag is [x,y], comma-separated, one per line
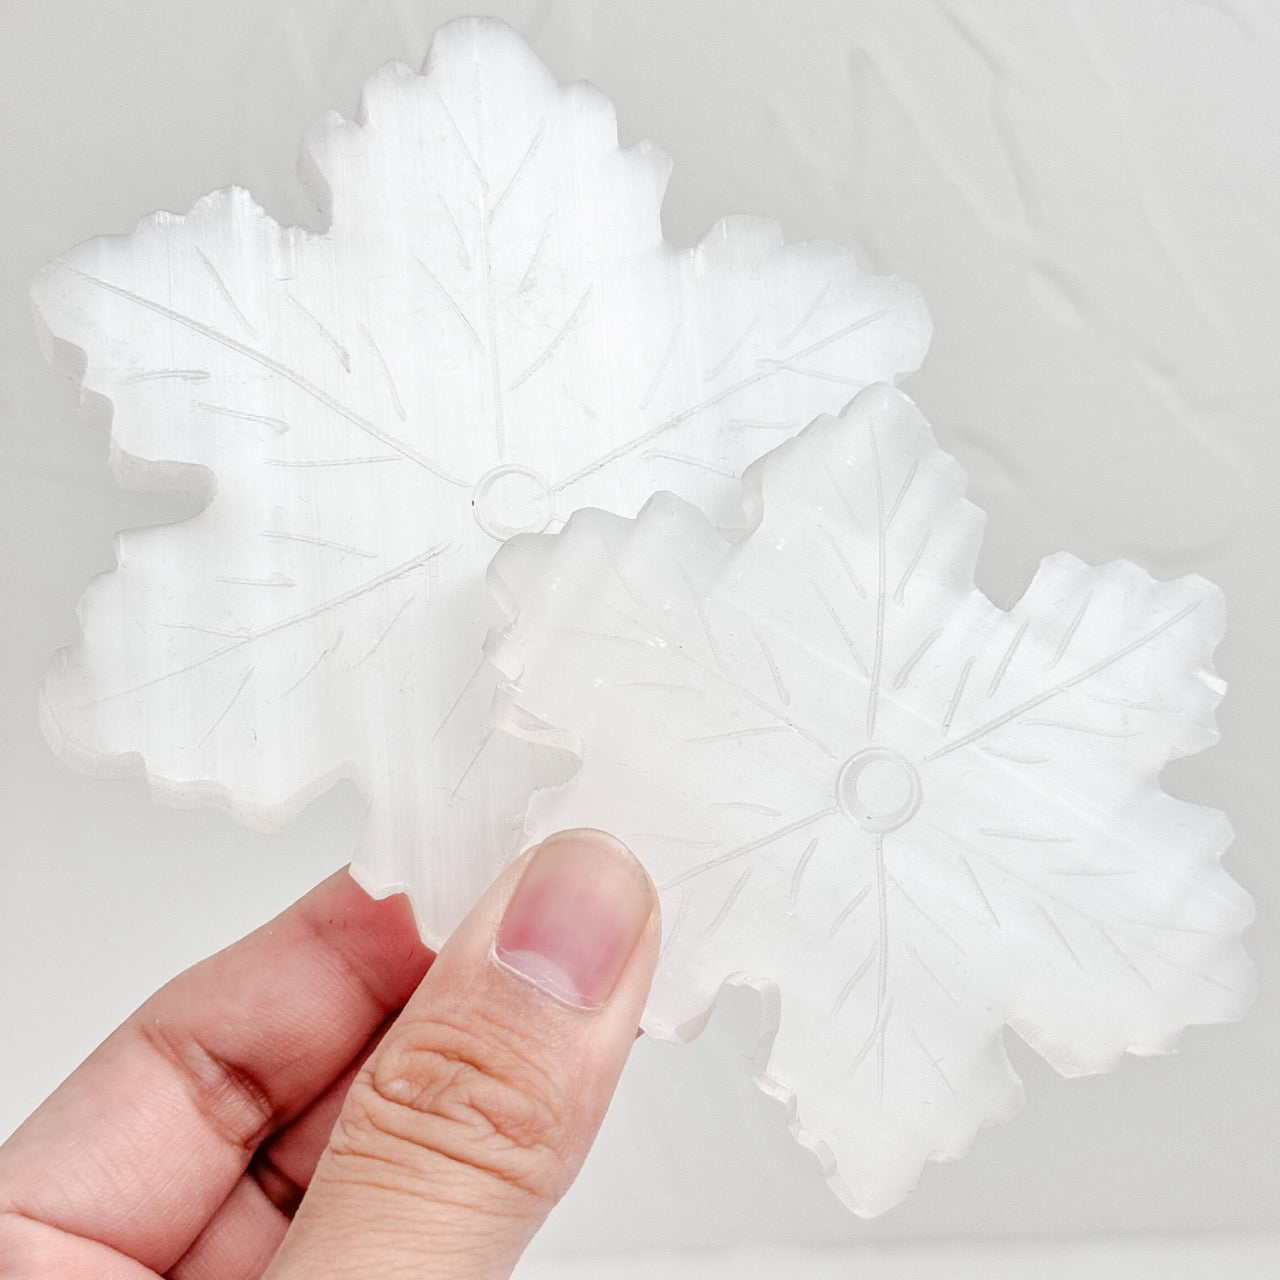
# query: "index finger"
[139,1147]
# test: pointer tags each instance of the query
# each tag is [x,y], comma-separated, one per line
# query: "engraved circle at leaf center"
[878,789]
[511,499]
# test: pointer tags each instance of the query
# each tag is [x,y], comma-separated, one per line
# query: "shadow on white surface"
[1242,1258]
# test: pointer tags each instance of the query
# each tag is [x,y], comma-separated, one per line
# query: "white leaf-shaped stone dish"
[905,815]
[491,333]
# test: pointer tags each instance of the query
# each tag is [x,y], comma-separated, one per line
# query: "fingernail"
[575,917]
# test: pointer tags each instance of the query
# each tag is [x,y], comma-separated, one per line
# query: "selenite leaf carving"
[908,816]
[491,333]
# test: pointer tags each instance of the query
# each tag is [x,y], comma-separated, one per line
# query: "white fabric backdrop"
[1088,193]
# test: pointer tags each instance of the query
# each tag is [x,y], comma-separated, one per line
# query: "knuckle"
[29,1250]
[440,1100]
[12,1243]
[228,1096]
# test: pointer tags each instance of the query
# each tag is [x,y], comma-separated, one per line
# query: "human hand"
[325,1100]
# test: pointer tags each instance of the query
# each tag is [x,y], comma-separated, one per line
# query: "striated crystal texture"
[491,333]
[908,817]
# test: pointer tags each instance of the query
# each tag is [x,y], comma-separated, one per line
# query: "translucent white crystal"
[907,816]
[491,333]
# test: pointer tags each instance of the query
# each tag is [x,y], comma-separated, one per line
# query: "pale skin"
[326,1099]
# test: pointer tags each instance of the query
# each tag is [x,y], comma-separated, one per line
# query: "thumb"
[474,1114]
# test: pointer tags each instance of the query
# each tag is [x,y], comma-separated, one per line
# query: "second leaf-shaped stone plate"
[908,817]
[491,333]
